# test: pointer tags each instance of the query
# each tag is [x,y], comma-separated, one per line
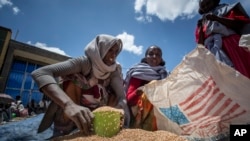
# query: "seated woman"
[150,68]
[86,83]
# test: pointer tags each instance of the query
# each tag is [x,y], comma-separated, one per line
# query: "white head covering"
[96,51]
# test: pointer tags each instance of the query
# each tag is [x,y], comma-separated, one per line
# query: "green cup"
[107,121]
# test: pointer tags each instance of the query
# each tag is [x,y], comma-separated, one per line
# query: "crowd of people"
[15,109]
[35,108]
[79,85]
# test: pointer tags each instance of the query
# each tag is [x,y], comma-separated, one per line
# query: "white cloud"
[52,49]
[5,2]
[15,9]
[143,18]
[139,5]
[128,43]
[165,9]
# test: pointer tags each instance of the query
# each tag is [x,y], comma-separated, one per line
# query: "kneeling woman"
[86,83]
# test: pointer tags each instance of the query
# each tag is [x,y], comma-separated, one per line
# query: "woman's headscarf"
[96,51]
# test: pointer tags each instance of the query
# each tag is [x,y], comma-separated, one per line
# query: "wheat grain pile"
[123,134]
[126,135]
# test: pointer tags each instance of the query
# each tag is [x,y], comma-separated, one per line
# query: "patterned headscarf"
[146,72]
[96,51]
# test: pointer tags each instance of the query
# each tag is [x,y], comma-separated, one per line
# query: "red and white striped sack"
[201,98]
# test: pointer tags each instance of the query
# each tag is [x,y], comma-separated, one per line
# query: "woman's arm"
[199,33]
[48,74]
[45,78]
[117,86]
[233,23]
[117,83]
[131,95]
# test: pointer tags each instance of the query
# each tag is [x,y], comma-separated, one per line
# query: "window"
[20,82]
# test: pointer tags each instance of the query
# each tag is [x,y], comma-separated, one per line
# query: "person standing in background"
[32,107]
[220,29]
[42,105]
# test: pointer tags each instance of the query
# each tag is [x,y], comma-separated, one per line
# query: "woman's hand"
[80,115]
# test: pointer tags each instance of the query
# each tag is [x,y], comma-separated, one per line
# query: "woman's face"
[110,57]
[154,56]
[206,5]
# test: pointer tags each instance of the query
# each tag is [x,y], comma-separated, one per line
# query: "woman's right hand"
[80,115]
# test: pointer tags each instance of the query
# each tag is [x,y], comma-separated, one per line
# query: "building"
[17,61]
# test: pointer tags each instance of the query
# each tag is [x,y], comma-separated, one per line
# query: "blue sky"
[67,26]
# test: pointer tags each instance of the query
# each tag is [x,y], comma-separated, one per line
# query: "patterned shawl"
[144,71]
